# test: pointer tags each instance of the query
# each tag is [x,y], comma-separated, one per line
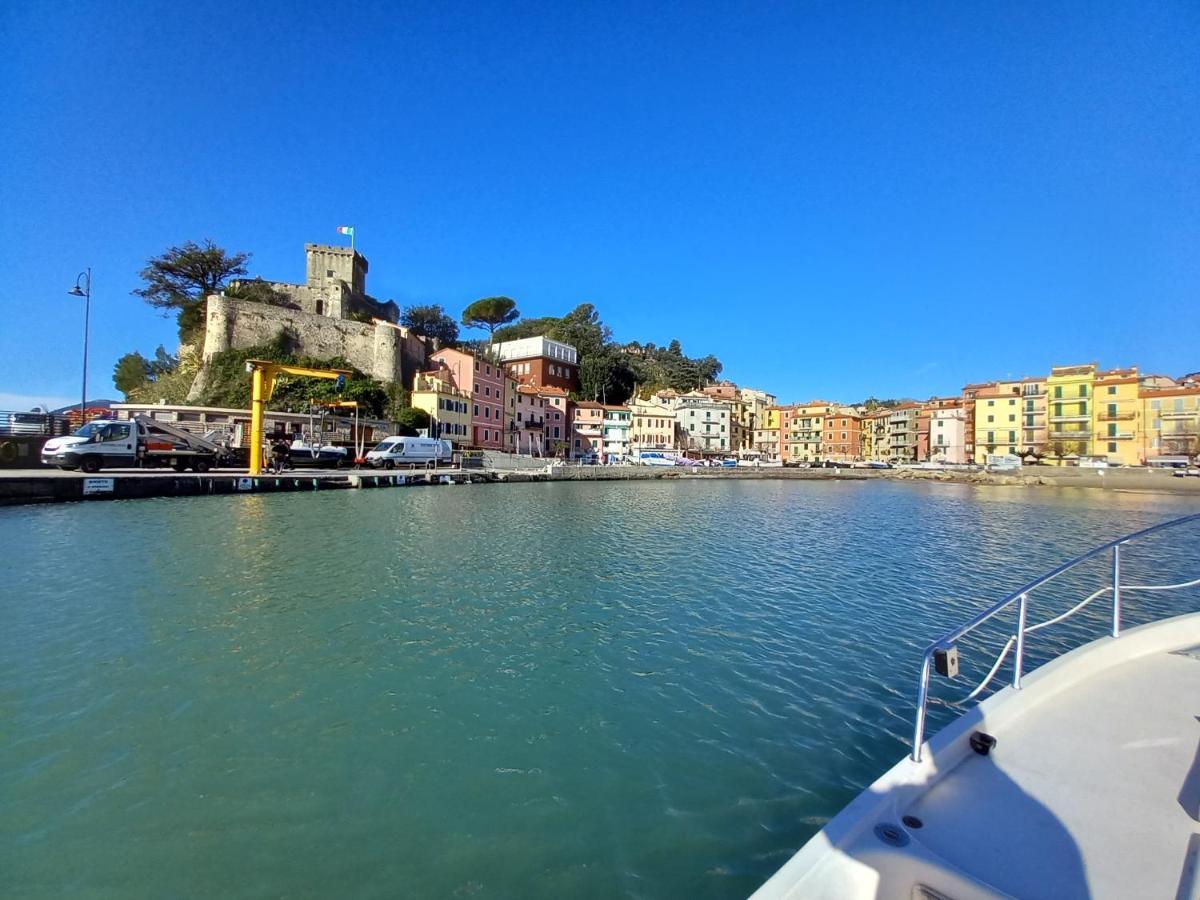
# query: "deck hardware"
[982,742]
[912,822]
[891,834]
[945,661]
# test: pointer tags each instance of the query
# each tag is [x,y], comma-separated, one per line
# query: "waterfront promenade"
[42,485]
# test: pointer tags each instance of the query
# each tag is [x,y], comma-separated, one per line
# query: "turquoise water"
[542,690]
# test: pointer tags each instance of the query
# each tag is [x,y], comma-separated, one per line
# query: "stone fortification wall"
[383,351]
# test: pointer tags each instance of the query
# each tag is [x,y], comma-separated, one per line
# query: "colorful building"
[448,407]
[483,381]
[530,421]
[803,428]
[510,413]
[1117,435]
[1171,422]
[704,423]
[587,437]
[652,425]
[540,361]
[947,435]
[842,441]
[902,433]
[558,421]
[1034,431]
[997,420]
[875,446]
[766,434]
[1069,391]
[618,420]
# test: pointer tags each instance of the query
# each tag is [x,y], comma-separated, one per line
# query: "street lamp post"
[85,278]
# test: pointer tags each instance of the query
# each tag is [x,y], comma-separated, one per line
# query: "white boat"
[656,458]
[1079,780]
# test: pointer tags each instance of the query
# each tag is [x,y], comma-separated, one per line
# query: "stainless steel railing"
[1020,597]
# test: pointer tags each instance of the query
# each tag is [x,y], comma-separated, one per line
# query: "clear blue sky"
[836,199]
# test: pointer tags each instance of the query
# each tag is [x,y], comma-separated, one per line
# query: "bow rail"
[1020,598]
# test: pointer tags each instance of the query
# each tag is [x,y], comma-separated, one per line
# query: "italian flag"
[346,229]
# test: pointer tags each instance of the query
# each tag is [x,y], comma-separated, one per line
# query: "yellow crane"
[263,376]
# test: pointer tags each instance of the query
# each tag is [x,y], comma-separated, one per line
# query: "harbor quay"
[43,485]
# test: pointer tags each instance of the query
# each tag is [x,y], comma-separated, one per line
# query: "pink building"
[531,421]
[558,422]
[484,383]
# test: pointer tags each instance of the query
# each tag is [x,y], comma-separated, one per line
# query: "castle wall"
[383,351]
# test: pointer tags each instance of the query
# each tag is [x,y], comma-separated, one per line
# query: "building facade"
[1069,394]
[997,420]
[1117,433]
[587,438]
[1171,417]
[618,420]
[802,431]
[766,434]
[704,423]
[902,433]
[652,426]
[448,407]
[947,435]
[541,362]
[842,435]
[530,421]
[483,381]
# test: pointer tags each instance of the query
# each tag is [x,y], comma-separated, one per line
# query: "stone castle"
[324,320]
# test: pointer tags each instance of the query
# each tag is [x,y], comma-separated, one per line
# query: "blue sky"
[836,199]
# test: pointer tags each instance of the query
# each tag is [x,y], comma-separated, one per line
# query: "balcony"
[1071,435]
[1119,436]
[1116,417]
[1073,418]
[1177,414]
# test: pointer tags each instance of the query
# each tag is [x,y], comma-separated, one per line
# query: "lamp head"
[76,292]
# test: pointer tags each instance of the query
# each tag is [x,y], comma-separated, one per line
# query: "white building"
[705,423]
[947,435]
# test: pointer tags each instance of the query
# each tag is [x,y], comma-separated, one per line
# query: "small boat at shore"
[1079,780]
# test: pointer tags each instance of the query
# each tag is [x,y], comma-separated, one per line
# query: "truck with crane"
[138,441]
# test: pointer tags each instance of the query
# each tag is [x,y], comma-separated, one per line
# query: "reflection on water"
[514,690]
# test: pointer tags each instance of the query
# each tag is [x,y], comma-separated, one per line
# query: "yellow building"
[1117,417]
[1170,422]
[1069,403]
[449,408]
[998,424]
[766,434]
[803,428]
[652,426]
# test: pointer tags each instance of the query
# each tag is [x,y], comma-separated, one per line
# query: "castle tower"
[329,267]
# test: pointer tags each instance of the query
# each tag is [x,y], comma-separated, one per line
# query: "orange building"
[842,441]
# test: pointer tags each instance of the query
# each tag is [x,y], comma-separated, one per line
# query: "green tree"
[491,313]
[180,279]
[131,372]
[432,322]
[413,419]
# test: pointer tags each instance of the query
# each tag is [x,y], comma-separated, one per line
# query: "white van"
[409,451]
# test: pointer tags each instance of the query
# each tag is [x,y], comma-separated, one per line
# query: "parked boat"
[656,458]
[1081,779]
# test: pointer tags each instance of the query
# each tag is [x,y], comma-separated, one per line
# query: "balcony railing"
[1071,418]
[1174,414]
[1116,417]
[1071,435]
